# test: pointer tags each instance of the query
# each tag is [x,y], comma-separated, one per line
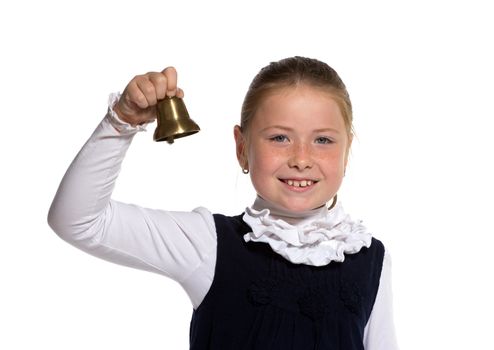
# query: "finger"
[134,96]
[180,93]
[171,76]
[160,83]
[148,90]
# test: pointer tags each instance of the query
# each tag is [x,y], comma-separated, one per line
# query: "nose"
[300,157]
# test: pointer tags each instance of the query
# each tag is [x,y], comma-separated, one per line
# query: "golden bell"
[173,120]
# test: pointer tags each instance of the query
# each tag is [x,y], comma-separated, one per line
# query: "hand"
[137,105]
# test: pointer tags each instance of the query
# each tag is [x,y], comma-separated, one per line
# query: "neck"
[292,217]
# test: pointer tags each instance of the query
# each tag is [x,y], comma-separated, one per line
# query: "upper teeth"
[296,183]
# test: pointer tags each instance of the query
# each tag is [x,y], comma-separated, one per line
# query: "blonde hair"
[290,72]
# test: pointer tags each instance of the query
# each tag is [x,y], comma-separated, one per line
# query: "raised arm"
[176,244]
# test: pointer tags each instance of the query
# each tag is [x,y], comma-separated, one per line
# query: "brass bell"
[173,120]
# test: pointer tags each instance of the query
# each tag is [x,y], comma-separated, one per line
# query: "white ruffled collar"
[315,237]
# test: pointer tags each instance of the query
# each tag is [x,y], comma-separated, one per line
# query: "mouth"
[299,183]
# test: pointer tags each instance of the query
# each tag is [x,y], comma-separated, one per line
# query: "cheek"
[264,166]
[333,163]
[264,159]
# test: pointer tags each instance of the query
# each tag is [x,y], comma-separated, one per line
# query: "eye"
[324,140]
[279,138]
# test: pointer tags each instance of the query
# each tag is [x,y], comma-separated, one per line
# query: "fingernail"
[171,93]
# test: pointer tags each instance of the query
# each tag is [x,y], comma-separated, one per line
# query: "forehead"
[299,107]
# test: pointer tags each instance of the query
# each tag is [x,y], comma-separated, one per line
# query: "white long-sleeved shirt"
[179,245]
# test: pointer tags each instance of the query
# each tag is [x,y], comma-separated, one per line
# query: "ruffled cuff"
[122,127]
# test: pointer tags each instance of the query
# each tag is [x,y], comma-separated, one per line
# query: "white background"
[420,74]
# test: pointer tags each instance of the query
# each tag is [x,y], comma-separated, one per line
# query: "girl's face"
[296,148]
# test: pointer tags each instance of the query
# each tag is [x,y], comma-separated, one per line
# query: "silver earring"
[245,171]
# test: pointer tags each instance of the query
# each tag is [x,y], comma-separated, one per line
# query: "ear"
[241,146]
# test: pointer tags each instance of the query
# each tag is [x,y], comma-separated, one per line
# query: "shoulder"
[198,220]
[378,251]
[378,246]
[226,224]
[236,220]
[369,260]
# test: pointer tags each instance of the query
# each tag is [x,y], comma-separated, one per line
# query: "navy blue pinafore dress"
[259,300]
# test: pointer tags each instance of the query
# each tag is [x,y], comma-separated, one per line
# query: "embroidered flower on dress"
[318,242]
[313,301]
[350,296]
[261,291]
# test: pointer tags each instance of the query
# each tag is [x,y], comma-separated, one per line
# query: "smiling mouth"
[299,183]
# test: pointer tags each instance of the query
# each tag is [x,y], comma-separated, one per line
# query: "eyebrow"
[291,129]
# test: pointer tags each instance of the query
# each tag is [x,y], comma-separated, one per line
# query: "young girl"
[292,272]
